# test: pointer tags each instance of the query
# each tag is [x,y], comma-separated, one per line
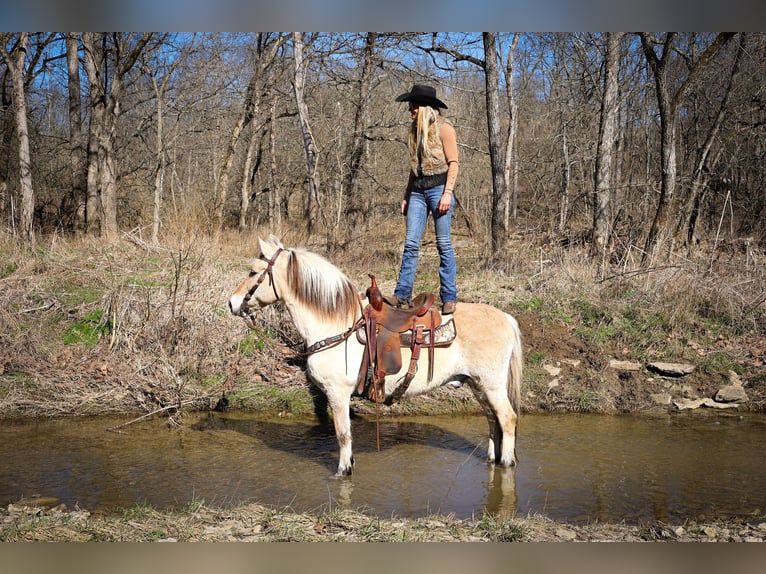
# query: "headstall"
[262,276]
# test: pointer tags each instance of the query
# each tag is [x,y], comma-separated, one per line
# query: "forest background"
[627,142]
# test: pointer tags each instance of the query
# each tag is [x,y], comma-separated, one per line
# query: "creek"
[572,468]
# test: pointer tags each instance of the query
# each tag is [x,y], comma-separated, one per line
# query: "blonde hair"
[426,116]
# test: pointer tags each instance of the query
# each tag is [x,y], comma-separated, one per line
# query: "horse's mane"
[320,285]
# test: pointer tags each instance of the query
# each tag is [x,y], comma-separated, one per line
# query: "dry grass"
[256,523]
[87,327]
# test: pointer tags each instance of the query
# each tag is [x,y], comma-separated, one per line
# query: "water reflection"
[572,468]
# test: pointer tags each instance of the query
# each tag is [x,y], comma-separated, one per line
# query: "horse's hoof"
[342,472]
[511,464]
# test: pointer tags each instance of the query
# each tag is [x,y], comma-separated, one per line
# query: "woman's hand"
[445,202]
[403,207]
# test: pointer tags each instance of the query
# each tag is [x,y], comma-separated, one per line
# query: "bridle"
[266,272]
[322,345]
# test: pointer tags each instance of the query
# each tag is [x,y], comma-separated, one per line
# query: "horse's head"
[259,285]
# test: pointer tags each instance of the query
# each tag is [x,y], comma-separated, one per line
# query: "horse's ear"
[266,248]
[269,246]
[276,241]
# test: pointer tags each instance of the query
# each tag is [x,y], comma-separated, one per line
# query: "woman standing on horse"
[434,167]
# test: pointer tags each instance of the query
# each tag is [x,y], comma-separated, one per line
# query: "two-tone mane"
[321,286]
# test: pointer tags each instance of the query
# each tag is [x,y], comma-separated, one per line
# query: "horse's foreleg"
[340,405]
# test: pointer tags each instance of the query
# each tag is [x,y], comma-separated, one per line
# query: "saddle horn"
[374,295]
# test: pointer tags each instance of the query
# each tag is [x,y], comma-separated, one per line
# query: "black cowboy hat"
[422,95]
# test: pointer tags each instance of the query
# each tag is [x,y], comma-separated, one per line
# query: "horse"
[326,310]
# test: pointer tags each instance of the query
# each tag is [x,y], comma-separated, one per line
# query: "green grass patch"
[297,401]
[498,529]
[720,363]
[88,330]
[254,341]
[585,401]
[8,269]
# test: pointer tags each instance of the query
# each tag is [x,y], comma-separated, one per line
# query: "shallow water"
[571,467]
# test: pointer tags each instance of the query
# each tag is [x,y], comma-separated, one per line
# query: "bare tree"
[511,164]
[361,119]
[77,141]
[705,158]
[14,59]
[669,101]
[499,183]
[266,52]
[109,58]
[312,173]
[490,66]
[606,146]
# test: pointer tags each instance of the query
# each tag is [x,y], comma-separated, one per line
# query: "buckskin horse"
[329,313]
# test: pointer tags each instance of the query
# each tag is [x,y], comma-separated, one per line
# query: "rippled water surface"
[571,467]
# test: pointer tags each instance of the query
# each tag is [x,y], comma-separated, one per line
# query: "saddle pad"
[445,334]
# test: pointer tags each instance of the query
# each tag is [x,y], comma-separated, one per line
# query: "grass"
[154,318]
[88,330]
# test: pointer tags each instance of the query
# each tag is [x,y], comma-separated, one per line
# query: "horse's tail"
[515,368]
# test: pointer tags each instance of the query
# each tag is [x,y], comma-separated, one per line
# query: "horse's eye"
[252,273]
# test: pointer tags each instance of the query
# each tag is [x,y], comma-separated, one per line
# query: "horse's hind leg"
[501,448]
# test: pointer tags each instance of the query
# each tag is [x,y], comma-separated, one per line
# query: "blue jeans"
[421,203]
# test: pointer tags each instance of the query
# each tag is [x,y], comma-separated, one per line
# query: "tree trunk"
[15,64]
[499,185]
[703,167]
[511,166]
[249,113]
[354,205]
[565,177]
[106,96]
[159,155]
[275,211]
[248,177]
[77,145]
[95,56]
[668,106]
[606,146]
[312,175]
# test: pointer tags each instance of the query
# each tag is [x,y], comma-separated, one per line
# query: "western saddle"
[386,330]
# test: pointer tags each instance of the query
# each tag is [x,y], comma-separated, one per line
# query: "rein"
[330,342]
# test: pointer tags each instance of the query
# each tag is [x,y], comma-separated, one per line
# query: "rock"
[38,500]
[685,391]
[553,384]
[566,534]
[710,532]
[732,393]
[685,404]
[734,378]
[680,531]
[624,365]
[661,398]
[572,362]
[671,369]
[552,371]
